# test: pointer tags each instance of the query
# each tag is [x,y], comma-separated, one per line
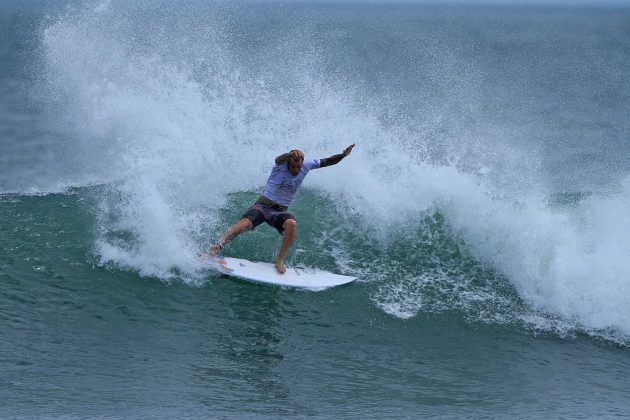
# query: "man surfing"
[272,207]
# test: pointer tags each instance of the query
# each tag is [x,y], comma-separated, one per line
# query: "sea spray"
[176,125]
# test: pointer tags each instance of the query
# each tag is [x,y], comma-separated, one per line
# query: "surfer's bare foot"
[280,267]
[214,250]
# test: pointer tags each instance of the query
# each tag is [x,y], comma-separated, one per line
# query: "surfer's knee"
[289,225]
[245,224]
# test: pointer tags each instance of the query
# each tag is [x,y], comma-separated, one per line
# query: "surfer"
[272,207]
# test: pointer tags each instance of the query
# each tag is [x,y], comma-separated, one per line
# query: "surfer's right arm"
[286,156]
[335,159]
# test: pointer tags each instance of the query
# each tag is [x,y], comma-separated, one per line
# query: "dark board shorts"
[272,215]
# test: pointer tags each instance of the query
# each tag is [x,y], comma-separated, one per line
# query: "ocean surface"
[485,209]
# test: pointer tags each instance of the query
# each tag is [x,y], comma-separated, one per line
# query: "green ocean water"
[84,340]
[483,210]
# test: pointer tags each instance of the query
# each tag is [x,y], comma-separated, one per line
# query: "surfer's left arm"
[293,154]
[335,159]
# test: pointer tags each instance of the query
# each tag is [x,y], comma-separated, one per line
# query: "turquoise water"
[483,210]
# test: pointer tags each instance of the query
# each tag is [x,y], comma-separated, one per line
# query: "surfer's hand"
[297,154]
[348,149]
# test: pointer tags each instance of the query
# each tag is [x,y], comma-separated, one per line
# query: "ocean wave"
[184,121]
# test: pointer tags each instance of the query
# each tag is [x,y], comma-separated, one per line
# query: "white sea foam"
[175,137]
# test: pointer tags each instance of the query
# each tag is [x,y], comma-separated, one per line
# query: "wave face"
[489,177]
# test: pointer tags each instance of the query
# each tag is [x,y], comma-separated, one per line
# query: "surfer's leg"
[233,231]
[252,218]
[289,232]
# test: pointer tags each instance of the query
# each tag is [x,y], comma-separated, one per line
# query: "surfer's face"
[295,165]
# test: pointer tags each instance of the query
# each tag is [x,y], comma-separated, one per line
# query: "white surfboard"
[304,278]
